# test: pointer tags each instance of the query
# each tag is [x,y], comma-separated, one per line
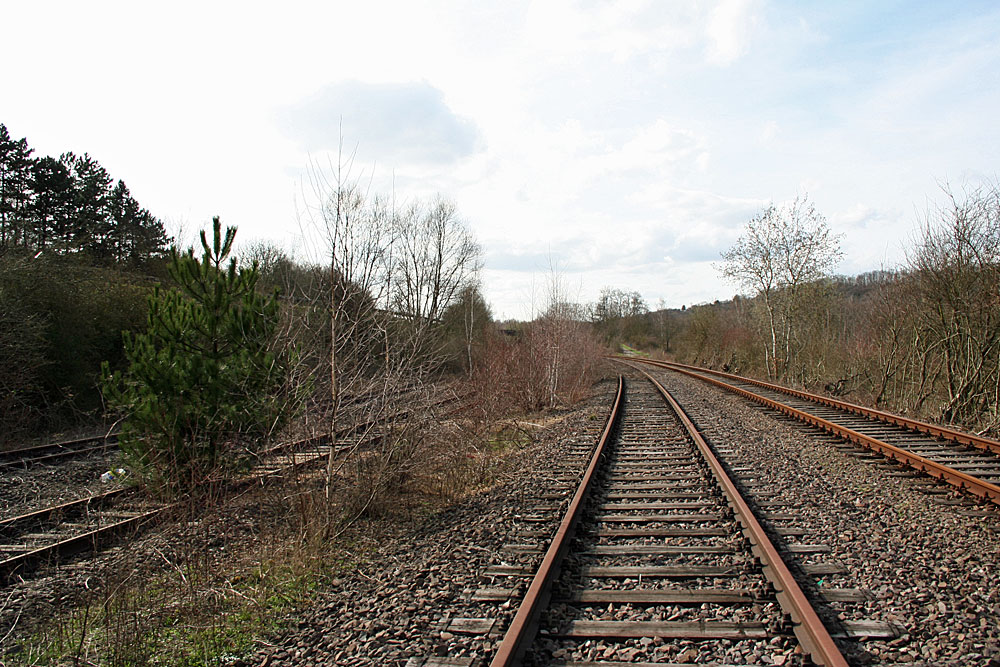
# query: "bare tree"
[392,273]
[358,234]
[436,259]
[956,268]
[781,252]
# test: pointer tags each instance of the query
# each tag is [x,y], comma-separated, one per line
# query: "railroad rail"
[87,524]
[54,452]
[966,461]
[657,529]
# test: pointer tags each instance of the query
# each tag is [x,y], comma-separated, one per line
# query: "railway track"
[53,533]
[658,558]
[56,452]
[966,461]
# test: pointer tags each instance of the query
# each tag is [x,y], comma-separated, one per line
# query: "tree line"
[72,205]
[922,338]
[207,360]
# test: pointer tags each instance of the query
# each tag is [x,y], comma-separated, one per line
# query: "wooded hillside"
[78,254]
[922,338]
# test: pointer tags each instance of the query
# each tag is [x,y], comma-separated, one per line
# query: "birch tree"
[783,250]
[393,271]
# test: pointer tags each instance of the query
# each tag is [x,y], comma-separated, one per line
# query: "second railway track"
[56,452]
[52,533]
[966,461]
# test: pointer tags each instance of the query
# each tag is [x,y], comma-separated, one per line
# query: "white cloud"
[408,122]
[729,30]
[769,132]
[627,141]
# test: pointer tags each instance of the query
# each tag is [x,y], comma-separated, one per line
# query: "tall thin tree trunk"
[328,490]
[774,338]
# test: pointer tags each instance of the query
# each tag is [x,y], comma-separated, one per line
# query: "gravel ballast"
[928,558]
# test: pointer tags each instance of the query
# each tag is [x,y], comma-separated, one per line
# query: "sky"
[600,144]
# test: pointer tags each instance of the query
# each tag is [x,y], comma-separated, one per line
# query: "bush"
[59,319]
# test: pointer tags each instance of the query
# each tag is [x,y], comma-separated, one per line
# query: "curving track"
[967,461]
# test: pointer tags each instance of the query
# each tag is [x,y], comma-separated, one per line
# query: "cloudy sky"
[620,144]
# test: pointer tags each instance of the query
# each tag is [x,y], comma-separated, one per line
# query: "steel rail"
[977,441]
[807,626]
[24,463]
[75,543]
[522,629]
[964,481]
[91,539]
[22,452]
[22,458]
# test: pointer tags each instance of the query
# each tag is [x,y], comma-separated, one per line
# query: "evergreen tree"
[133,235]
[92,188]
[68,205]
[203,379]
[15,165]
[149,239]
[52,203]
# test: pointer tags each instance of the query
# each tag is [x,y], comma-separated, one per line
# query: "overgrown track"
[56,452]
[964,460]
[665,551]
[53,533]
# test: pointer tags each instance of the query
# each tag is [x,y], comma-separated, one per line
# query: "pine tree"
[133,234]
[92,187]
[203,381]
[15,164]
[52,203]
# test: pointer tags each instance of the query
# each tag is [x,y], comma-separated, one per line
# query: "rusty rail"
[27,456]
[522,629]
[42,515]
[807,626]
[969,483]
[89,539]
